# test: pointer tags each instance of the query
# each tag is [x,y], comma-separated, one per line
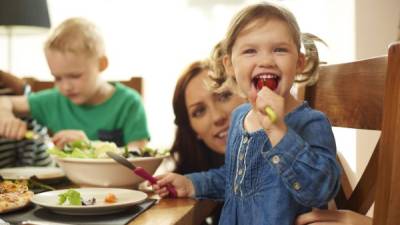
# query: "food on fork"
[271,81]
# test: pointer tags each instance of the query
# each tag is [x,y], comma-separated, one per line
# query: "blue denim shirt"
[271,186]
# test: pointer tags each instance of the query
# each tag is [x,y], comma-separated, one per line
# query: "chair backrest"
[387,204]
[37,85]
[352,96]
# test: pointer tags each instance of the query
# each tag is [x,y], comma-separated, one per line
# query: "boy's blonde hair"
[257,12]
[77,36]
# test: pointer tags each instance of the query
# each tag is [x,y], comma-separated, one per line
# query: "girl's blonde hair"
[77,36]
[218,78]
[257,12]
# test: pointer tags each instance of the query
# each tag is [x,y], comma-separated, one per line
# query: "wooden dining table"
[178,211]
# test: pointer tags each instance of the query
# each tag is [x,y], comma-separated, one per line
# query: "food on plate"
[98,149]
[74,198]
[110,198]
[14,195]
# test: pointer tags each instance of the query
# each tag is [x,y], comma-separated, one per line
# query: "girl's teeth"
[269,80]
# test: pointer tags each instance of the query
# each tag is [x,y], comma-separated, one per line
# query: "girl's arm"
[209,184]
[305,159]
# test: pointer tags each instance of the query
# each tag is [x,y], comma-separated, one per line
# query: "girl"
[280,158]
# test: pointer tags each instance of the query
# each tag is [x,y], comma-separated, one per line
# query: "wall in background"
[157,39]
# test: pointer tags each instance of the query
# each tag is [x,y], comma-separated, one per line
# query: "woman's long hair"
[190,153]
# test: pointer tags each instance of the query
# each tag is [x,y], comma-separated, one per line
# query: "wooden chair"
[37,85]
[352,96]
[387,196]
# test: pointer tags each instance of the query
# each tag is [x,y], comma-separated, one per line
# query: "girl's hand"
[12,127]
[333,217]
[183,186]
[66,136]
[267,98]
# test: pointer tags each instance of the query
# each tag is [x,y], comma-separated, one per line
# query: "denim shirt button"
[240,172]
[245,139]
[241,156]
[235,188]
[276,159]
[296,186]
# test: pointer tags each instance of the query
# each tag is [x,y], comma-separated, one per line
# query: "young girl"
[278,163]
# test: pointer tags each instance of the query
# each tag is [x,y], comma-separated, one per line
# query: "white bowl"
[106,172]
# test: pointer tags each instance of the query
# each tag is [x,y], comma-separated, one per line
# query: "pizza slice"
[14,195]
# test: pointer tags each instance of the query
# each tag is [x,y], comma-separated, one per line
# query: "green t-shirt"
[121,118]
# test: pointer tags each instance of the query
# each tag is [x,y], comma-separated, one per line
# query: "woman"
[202,120]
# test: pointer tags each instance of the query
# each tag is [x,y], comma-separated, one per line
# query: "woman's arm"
[333,217]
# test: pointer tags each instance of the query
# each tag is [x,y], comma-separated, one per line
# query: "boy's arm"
[11,126]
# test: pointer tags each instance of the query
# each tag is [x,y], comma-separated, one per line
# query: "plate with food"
[14,195]
[89,201]
[24,173]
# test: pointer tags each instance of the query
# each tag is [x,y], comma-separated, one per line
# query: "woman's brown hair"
[190,153]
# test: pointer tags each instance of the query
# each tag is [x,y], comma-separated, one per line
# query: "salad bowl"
[87,172]
[87,164]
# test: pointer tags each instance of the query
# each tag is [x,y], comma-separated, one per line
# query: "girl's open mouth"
[269,80]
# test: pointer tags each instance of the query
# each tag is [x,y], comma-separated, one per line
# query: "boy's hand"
[12,127]
[66,136]
[183,186]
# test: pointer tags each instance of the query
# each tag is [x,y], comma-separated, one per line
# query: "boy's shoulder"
[121,89]
[45,94]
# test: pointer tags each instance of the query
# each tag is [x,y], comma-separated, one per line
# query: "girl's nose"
[266,60]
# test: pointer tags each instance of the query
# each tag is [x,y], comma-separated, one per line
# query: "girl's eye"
[280,50]
[224,96]
[198,112]
[249,51]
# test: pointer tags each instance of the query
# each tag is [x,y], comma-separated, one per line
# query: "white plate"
[42,173]
[125,199]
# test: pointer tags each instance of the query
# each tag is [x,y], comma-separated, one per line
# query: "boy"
[82,106]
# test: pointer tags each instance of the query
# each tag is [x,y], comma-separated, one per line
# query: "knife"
[141,172]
